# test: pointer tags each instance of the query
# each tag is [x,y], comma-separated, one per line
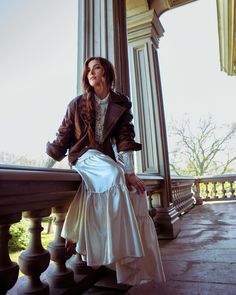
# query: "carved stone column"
[102,32]
[144,31]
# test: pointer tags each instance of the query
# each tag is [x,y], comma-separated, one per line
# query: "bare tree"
[201,152]
[15,159]
[25,160]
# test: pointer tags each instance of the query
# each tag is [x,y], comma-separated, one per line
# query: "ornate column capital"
[145,25]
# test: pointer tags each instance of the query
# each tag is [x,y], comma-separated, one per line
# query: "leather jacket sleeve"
[125,131]
[58,148]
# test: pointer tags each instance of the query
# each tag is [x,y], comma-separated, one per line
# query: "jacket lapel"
[113,114]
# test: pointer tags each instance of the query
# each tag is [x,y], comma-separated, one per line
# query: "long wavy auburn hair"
[87,108]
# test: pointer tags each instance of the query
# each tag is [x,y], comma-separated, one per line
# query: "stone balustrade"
[36,193]
[216,188]
[182,193]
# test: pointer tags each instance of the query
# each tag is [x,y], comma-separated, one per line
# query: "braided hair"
[87,109]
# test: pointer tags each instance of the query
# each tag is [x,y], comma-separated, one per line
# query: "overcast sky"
[190,65]
[38,56]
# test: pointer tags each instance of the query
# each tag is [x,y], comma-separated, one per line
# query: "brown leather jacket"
[72,134]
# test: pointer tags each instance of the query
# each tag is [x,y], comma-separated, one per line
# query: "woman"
[108,221]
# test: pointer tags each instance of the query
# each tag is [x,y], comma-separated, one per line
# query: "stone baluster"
[232,190]
[58,275]
[207,191]
[223,190]
[8,270]
[78,265]
[197,193]
[35,260]
[215,190]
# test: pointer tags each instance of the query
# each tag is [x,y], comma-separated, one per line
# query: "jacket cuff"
[54,152]
[129,146]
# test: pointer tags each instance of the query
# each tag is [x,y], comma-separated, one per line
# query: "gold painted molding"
[145,24]
[136,7]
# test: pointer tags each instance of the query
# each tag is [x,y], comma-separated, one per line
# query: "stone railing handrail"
[224,177]
[10,174]
[176,177]
[33,168]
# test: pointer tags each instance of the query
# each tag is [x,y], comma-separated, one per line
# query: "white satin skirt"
[110,224]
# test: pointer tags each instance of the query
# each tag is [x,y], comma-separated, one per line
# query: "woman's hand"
[132,180]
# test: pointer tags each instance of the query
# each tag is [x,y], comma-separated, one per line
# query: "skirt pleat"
[110,224]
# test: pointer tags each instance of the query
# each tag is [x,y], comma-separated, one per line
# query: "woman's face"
[95,73]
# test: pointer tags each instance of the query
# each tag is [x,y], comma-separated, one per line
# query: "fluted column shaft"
[144,31]
[102,32]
